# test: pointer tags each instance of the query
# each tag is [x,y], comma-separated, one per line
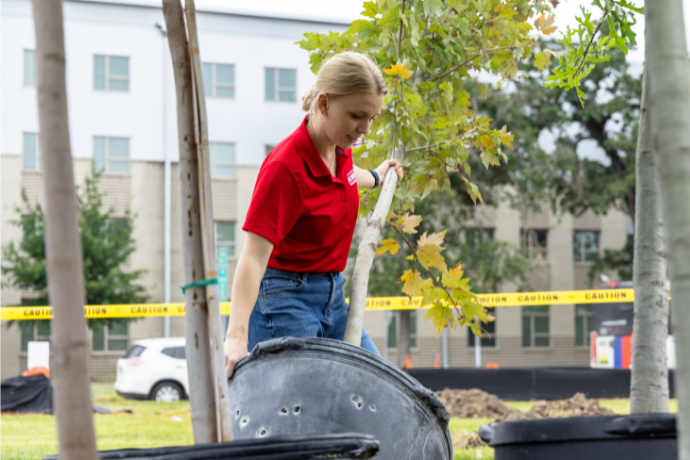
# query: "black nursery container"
[633,437]
[290,386]
[345,446]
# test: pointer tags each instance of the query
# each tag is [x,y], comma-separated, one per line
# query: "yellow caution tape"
[515,299]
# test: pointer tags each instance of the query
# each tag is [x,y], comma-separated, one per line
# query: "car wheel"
[166,392]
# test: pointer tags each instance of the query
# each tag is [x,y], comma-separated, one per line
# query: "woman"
[302,216]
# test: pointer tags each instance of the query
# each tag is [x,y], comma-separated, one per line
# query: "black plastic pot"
[633,437]
[345,446]
[291,386]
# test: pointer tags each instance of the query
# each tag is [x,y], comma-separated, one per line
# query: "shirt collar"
[307,149]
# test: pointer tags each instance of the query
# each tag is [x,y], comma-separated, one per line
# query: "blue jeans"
[301,305]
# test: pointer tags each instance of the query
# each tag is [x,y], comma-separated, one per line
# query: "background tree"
[107,244]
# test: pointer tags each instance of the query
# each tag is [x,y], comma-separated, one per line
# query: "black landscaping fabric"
[525,384]
[31,394]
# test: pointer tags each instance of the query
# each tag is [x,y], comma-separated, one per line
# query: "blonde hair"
[345,73]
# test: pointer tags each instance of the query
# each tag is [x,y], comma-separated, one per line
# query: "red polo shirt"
[308,214]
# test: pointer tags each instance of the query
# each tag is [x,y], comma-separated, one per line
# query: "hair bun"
[307,99]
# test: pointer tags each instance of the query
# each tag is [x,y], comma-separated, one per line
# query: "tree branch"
[400,30]
[443,142]
[411,246]
[591,40]
[470,60]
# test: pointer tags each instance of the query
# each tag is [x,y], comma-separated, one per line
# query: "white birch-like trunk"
[667,62]
[365,258]
[215,330]
[199,369]
[72,401]
[649,374]
[403,337]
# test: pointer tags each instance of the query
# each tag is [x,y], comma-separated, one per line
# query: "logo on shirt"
[351,177]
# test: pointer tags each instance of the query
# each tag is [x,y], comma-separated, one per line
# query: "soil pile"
[577,406]
[477,404]
[464,439]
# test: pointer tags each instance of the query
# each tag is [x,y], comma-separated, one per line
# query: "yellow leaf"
[429,257]
[391,215]
[410,257]
[486,141]
[388,245]
[413,283]
[399,70]
[410,222]
[546,24]
[434,238]
[541,60]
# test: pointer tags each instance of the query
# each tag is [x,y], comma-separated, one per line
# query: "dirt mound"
[477,404]
[464,439]
[577,406]
[480,404]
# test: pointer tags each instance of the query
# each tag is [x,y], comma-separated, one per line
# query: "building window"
[535,326]
[268,149]
[393,330]
[225,236]
[583,325]
[29,68]
[219,80]
[113,338]
[32,158]
[534,243]
[30,332]
[585,246]
[222,160]
[488,338]
[110,73]
[111,155]
[281,85]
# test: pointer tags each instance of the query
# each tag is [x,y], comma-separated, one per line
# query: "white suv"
[153,369]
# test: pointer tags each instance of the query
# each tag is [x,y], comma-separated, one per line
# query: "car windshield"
[135,351]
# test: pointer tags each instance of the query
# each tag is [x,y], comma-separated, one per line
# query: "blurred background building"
[123,124]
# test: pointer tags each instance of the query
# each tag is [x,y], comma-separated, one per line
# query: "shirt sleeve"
[276,203]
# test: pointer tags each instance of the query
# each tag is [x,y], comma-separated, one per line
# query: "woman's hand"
[235,351]
[383,169]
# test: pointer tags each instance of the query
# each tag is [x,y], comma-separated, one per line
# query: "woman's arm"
[245,289]
[366,180]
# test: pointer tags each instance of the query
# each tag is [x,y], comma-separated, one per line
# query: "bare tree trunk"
[649,379]
[667,62]
[73,409]
[403,336]
[215,330]
[199,369]
[365,258]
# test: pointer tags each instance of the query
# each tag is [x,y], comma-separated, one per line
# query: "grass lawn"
[151,424]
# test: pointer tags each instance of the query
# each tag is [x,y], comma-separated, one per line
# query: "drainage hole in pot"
[359,404]
[244,421]
[283,410]
[373,409]
[263,432]
[297,410]
[237,413]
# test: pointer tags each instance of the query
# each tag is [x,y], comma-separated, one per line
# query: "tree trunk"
[199,369]
[215,330]
[667,62]
[365,257]
[73,409]
[403,336]
[649,379]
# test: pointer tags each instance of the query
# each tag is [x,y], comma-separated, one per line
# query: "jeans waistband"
[301,275]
